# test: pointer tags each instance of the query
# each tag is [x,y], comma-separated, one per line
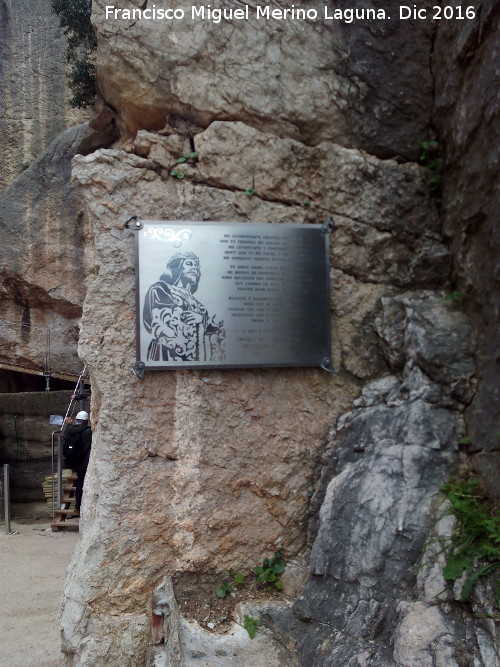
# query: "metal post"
[59,472]
[6,497]
[81,389]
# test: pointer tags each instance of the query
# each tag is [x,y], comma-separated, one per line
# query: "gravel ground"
[33,564]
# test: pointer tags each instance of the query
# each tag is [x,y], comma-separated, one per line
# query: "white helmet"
[83,416]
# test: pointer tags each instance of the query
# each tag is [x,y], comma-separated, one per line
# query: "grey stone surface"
[384,464]
[433,630]
[45,257]
[390,463]
[434,343]
[308,80]
[34,97]
[467,108]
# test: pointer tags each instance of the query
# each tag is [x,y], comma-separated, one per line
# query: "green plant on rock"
[74,18]
[237,577]
[456,297]
[474,546]
[269,572]
[251,624]
[226,587]
[223,589]
[430,158]
[177,174]
[188,156]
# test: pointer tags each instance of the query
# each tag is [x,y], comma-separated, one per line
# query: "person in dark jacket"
[81,427]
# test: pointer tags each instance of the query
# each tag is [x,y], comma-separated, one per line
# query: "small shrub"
[270,570]
[222,590]
[187,156]
[237,577]
[474,546]
[226,587]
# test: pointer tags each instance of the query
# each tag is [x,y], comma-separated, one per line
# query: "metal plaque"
[232,295]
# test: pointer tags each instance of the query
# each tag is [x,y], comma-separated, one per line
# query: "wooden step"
[67,513]
[70,525]
[69,488]
[68,499]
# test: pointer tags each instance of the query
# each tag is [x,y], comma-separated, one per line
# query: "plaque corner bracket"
[327,365]
[133,224]
[328,225]
[138,369]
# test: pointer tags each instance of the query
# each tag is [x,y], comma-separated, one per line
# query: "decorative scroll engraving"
[167,234]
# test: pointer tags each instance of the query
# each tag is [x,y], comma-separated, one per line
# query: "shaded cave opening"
[13,382]
[26,407]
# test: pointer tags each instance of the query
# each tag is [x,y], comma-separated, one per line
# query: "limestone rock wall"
[309,81]
[220,462]
[377,499]
[34,98]
[467,116]
[45,259]
[196,472]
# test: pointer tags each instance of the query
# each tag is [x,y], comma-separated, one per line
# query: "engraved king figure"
[178,322]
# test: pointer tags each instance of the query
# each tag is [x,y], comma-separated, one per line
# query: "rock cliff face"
[196,472]
[467,115]
[377,493]
[224,459]
[310,81]
[45,248]
[33,104]
[45,257]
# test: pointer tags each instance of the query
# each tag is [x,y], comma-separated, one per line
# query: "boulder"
[256,71]
[220,462]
